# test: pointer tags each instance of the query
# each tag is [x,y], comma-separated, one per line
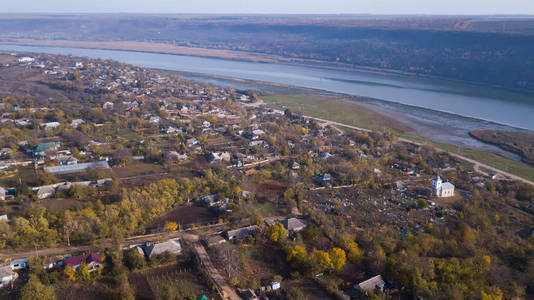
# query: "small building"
[442,189]
[294,224]
[108,105]
[77,122]
[275,285]
[219,156]
[241,233]
[214,241]
[371,284]
[173,156]
[43,147]
[76,168]
[50,125]
[294,165]
[171,246]
[323,179]
[4,218]
[43,192]
[93,260]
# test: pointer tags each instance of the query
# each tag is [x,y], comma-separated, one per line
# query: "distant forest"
[482,50]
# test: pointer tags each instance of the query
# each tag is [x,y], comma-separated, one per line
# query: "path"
[224,288]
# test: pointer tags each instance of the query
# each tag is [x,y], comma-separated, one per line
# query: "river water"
[442,110]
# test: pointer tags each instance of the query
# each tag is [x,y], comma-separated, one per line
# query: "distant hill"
[485,50]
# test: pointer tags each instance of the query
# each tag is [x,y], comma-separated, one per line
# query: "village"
[134,171]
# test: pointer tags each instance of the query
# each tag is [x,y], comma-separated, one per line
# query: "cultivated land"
[180,189]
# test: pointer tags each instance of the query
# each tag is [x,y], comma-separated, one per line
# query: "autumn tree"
[338,258]
[277,233]
[34,289]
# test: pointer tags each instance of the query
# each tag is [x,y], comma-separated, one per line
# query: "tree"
[277,233]
[338,258]
[83,272]
[134,260]
[70,273]
[35,290]
[320,261]
[298,258]
[354,254]
[171,226]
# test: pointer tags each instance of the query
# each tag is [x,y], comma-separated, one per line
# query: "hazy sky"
[274,6]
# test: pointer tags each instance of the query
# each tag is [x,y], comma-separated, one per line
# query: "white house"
[442,189]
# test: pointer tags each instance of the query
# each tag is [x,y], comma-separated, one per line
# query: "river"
[425,103]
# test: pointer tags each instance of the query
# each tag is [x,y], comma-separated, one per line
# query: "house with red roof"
[93,260]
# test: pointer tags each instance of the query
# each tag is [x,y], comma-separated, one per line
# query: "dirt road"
[225,289]
[477,165]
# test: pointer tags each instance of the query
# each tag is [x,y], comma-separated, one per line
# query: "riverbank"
[246,56]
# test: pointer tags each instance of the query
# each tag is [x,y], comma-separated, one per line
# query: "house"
[206,124]
[52,261]
[18,264]
[275,285]
[256,143]
[50,125]
[43,192]
[171,246]
[208,200]
[171,156]
[7,275]
[219,156]
[191,142]
[77,122]
[93,260]
[294,224]
[241,233]
[442,189]
[323,179]
[108,105]
[40,149]
[371,284]
[26,59]
[294,165]
[3,218]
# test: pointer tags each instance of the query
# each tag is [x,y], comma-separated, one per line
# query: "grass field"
[350,113]
[336,109]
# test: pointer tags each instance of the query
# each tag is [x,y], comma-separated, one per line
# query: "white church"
[442,189]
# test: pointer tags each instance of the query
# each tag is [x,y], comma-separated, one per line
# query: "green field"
[335,109]
[495,160]
[346,112]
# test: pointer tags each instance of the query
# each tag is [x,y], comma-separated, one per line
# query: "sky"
[439,7]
